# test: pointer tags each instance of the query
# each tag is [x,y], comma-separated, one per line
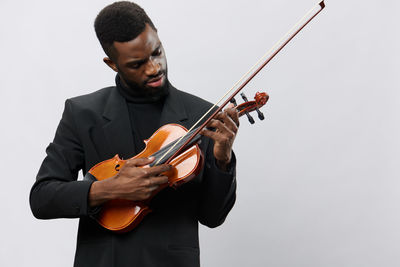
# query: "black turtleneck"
[144,112]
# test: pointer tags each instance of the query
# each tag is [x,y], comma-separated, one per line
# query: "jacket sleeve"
[218,192]
[56,192]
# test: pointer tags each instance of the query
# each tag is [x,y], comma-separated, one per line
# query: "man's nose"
[152,67]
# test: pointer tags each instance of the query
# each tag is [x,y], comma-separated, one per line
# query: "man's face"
[141,62]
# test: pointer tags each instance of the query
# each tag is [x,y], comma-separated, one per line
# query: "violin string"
[166,147]
[241,79]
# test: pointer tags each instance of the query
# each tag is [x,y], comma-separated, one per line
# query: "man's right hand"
[135,181]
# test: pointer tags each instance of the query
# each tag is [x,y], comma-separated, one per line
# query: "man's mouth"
[156,82]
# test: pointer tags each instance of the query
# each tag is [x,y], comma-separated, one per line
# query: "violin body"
[123,215]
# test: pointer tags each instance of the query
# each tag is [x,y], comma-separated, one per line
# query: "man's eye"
[157,52]
[135,66]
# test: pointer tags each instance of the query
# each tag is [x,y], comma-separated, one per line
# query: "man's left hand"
[226,125]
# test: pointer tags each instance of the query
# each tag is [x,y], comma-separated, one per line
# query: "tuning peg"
[251,120]
[260,114]
[233,101]
[244,97]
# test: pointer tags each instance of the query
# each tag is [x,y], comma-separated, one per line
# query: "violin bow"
[261,63]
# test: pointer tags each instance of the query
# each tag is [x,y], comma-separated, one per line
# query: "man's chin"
[155,91]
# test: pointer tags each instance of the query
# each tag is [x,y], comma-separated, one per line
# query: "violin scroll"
[260,99]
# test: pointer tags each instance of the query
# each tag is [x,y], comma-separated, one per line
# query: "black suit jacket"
[94,128]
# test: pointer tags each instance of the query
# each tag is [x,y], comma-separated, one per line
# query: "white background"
[318,180]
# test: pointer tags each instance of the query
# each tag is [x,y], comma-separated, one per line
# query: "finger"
[135,162]
[233,113]
[216,136]
[222,128]
[158,180]
[156,170]
[229,122]
[208,133]
[230,105]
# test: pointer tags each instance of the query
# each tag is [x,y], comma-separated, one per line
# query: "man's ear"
[110,63]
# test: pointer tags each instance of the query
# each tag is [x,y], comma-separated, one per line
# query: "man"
[116,120]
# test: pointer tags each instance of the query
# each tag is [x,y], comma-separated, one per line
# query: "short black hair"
[121,21]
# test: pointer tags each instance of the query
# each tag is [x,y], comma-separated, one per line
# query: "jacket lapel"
[117,130]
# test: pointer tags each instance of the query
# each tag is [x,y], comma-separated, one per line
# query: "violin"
[121,215]
[173,144]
